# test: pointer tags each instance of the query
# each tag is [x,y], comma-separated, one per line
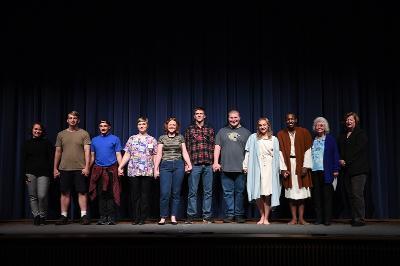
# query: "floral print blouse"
[141,148]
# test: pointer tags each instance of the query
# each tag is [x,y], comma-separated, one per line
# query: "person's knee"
[42,197]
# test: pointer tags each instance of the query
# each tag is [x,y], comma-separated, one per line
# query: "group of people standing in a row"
[260,162]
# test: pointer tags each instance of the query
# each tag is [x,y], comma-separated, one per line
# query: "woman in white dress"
[261,164]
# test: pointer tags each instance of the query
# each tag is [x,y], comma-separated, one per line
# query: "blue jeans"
[207,177]
[233,187]
[171,177]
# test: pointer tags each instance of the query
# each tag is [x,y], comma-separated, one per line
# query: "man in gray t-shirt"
[230,143]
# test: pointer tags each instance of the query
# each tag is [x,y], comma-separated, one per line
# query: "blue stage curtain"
[250,60]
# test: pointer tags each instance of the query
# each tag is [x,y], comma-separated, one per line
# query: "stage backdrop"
[123,66]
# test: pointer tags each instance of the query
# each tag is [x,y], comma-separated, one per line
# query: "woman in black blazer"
[353,148]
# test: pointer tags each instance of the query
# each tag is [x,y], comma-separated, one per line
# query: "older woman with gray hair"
[325,157]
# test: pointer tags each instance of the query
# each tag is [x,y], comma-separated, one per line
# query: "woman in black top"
[37,163]
[353,146]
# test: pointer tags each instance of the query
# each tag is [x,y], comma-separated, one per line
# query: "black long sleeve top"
[38,154]
[354,150]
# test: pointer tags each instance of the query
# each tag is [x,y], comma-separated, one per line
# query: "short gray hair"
[323,120]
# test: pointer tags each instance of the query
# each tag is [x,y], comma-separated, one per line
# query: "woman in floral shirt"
[139,152]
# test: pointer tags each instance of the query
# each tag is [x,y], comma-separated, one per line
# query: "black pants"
[355,191]
[322,194]
[140,196]
[106,198]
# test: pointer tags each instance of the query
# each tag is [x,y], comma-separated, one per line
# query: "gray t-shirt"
[232,142]
[172,147]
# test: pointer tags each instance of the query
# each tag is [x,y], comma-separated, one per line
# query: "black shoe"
[43,221]
[85,220]
[189,220]
[62,220]
[141,222]
[208,220]
[103,220]
[111,220]
[136,222]
[327,223]
[36,220]
[228,219]
[174,223]
[161,223]
[317,222]
[357,223]
[240,219]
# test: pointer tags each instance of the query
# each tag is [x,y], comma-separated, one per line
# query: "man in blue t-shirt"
[104,180]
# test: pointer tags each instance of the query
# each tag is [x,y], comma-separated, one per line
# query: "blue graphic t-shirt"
[317,152]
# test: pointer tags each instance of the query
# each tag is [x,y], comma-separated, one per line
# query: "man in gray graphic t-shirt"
[230,143]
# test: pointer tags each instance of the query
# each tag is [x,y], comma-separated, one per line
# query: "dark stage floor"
[200,244]
[339,228]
